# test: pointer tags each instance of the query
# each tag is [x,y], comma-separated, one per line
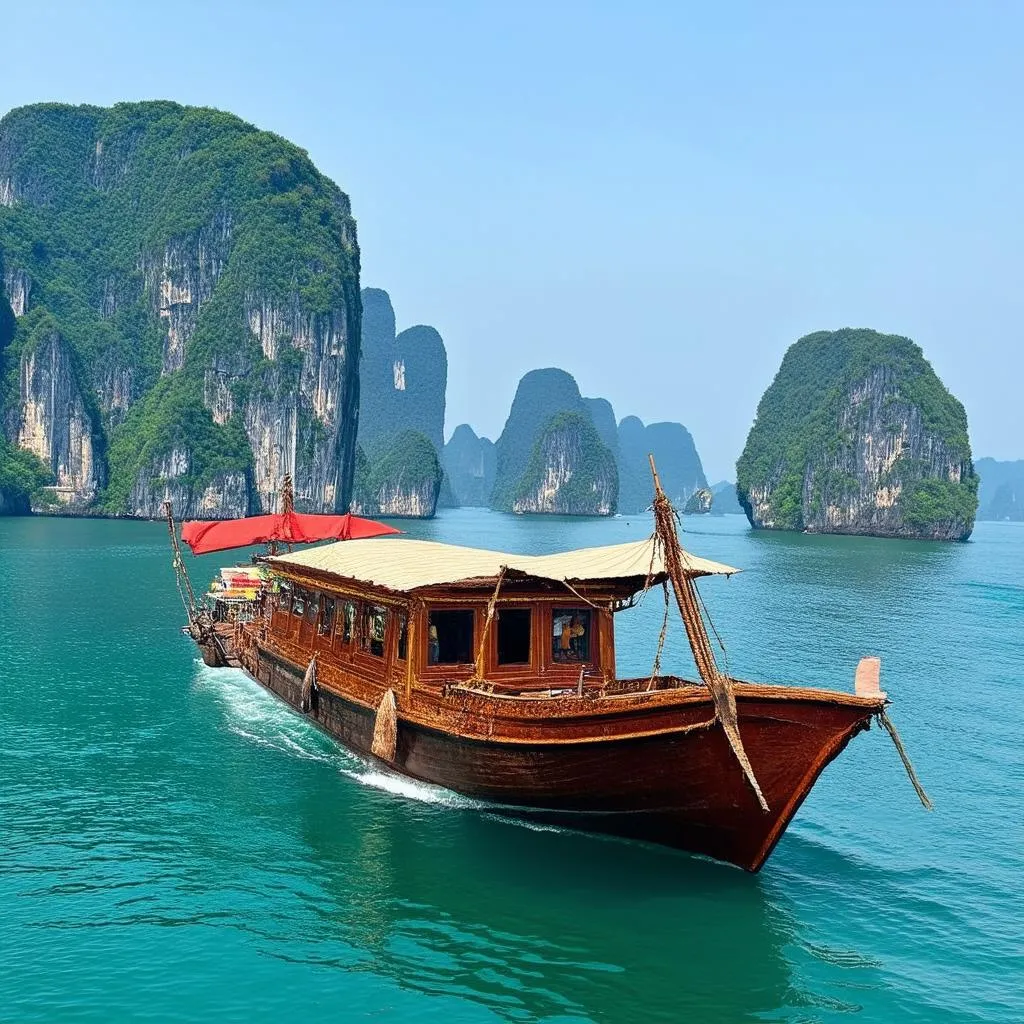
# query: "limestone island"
[857,435]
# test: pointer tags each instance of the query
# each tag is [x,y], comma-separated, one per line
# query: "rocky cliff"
[403,378]
[469,465]
[857,435]
[550,457]
[570,472]
[699,503]
[404,480]
[1000,490]
[57,416]
[679,465]
[200,280]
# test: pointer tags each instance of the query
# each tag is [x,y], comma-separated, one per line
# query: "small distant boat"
[494,675]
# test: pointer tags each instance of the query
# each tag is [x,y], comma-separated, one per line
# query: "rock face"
[699,503]
[550,457]
[857,435]
[675,454]
[570,472]
[1001,489]
[17,287]
[469,465]
[404,481]
[206,301]
[403,378]
[172,479]
[58,423]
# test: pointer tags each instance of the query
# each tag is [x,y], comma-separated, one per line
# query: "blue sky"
[659,198]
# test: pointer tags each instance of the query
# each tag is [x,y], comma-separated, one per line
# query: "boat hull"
[677,785]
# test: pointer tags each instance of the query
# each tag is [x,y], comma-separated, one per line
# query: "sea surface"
[176,844]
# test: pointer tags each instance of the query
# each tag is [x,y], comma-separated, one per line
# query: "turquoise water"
[177,845]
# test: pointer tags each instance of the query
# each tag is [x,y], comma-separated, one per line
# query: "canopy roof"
[287,527]
[404,565]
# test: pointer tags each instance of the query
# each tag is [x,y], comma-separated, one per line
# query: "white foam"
[411,789]
[258,716]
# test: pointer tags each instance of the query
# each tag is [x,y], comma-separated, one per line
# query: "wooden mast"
[700,643]
[287,506]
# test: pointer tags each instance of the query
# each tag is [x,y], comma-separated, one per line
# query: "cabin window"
[450,637]
[326,616]
[403,636]
[570,635]
[299,602]
[347,626]
[372,634]
[514,636]
[312,607]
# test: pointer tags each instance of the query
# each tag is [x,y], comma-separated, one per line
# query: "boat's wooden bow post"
[700,643]
[867,678]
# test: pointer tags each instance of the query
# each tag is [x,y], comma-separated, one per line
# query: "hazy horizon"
[658,201]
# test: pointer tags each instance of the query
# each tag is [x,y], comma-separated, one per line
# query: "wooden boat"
[494,675]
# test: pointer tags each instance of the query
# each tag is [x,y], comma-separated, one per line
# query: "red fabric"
[290,528]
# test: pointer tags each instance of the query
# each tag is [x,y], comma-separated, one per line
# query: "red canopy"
[286,528]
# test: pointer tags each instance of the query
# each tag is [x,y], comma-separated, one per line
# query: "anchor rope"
[905,758]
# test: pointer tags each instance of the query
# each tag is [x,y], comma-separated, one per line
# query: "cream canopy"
[402,564]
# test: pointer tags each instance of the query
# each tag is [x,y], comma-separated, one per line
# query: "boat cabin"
[419,614]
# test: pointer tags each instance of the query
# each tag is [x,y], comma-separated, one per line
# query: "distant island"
[563,453]
[1001,491]
[402,382]
[550,457]
[857,435]
[181,320]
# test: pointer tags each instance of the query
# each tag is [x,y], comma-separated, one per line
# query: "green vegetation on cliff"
[541,394]
[173,417]
[569,455]
[402,479]
[840,397]
[21,477]
[153,233]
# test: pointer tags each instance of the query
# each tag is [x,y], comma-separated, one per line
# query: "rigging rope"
[656,667]
[665,519]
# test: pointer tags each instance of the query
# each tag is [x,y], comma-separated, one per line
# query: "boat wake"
[259,717]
